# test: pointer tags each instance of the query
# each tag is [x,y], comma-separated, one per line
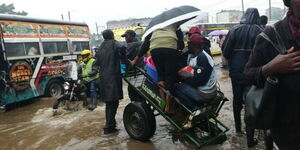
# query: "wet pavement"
[33,126]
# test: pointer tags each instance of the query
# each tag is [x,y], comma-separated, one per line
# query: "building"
[228,16]
[116,24]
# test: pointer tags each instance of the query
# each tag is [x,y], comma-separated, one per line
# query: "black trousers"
[110,113]
[167,63]
[238,90]
[287,137]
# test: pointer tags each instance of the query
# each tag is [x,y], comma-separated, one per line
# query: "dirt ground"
[33,126]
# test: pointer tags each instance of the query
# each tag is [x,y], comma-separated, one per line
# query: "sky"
[101,11]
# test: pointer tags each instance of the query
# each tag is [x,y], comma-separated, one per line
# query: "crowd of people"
[251,59]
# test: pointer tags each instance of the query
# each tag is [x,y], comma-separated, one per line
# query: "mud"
[34,126]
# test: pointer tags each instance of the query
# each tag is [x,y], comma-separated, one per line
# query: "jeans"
[93,89]
[189,96]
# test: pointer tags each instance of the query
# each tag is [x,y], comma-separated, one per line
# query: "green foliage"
[10,9]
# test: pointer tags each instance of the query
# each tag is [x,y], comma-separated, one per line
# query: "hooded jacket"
[240,41]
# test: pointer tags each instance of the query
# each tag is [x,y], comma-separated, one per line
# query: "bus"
[139,31]
[33,55]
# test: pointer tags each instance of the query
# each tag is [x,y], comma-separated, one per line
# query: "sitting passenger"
[200,86]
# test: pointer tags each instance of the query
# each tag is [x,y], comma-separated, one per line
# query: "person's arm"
[143,50]
[94,69]
[228,44]
[265,62]
[180,42]
[202,72]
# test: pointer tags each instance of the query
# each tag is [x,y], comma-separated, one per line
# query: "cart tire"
[54,88]
[139,121]
[134,95]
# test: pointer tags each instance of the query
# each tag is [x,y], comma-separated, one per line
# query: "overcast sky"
[101,11]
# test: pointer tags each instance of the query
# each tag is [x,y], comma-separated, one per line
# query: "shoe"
[252,143]
[110,130]
[91,107]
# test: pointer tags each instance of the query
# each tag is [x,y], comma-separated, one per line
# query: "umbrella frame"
[171,21]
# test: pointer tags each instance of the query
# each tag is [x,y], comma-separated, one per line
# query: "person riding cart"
[89,73]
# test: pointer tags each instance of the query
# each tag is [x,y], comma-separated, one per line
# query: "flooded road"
[33,126]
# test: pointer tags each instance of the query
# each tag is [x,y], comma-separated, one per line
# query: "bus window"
[32,48]
[55,47]
[80,46]
[85,45]
[15,49]
[62,47]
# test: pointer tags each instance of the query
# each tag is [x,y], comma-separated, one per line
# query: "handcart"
[139,115]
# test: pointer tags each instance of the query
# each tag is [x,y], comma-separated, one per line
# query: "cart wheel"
[139,121]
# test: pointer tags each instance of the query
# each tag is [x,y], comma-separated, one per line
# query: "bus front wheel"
[54,88]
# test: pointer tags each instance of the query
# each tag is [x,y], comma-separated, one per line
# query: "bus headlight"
[66,85]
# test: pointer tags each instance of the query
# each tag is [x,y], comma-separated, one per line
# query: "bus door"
[3,67]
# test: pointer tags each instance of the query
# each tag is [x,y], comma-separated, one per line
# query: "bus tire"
[3,109]
[139,121]
[54,88]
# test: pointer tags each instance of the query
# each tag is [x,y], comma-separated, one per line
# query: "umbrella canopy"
[178,15]
[218,32]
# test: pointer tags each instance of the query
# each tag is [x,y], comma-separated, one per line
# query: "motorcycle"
[74,97]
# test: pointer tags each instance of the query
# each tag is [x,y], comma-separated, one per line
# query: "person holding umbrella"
[164,44]
[164,39]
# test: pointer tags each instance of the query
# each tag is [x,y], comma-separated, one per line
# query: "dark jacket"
[109,58]
[239,43]
[288,106]
[200,78]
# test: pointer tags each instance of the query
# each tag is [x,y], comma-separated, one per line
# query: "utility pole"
[69,14]
[62,16]
[270,10]
[243,6]
[97,29]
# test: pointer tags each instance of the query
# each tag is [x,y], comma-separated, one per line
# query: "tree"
[276,13]
[10,9]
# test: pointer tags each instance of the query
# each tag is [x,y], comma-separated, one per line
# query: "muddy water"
[34,127]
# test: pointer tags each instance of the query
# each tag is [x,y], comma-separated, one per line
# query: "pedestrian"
[206,43]
[132,49]
[236,49]
[164,44]
[263,21]
[108,58]
[265,61]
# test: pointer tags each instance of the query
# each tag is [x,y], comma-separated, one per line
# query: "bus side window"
[15,49]
[80,46]
[85,45]
[62,47]
[32,48]
[55,47]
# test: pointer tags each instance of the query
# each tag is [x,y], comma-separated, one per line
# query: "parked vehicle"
[33,55]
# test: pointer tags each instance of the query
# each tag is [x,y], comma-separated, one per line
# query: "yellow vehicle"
[139,31]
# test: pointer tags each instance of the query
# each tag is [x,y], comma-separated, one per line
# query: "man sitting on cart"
[199,86]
